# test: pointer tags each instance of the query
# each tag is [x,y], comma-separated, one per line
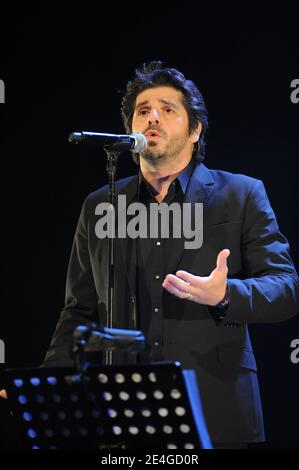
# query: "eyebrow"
[162,100]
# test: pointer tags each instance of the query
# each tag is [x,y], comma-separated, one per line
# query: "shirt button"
[158,243]
[156,309]
[157,276]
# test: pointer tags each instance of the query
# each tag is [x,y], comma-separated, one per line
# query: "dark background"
[65,71]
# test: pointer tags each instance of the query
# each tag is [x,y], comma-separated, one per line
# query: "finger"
[179,284]
[3,394]
[187,277]
[222,260]
[172,290]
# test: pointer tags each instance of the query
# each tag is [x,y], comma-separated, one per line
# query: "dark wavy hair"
[154,74]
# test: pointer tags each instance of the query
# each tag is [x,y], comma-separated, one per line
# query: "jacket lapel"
[199,190]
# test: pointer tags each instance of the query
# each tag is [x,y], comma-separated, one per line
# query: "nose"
[153,117]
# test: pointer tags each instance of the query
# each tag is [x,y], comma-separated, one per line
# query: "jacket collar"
[199,187]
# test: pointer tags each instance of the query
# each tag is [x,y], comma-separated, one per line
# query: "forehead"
[160,94]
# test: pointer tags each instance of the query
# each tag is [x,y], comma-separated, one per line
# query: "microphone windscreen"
[76,137]
[140,142]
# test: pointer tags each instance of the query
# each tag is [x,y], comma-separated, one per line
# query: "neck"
[161,176]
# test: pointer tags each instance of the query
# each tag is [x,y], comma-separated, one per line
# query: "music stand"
[144,406]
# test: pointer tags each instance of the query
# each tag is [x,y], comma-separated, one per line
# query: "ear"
[196,133]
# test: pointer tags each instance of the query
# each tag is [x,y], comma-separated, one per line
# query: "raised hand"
[206,290]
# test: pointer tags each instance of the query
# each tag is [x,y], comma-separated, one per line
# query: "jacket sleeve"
[269,291]
[80,297]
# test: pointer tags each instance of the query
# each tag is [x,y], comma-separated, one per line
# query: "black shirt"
[152,263]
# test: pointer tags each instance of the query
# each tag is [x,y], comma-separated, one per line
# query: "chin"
[152,153]
[151,156]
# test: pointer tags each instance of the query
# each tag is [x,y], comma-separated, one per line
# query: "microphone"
[135,142]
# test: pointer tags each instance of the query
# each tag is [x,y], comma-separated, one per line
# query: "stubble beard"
[172,150]
[152,156]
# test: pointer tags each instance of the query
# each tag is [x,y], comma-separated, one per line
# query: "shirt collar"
[183,177]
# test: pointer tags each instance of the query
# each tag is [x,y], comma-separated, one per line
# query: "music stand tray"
[143,406]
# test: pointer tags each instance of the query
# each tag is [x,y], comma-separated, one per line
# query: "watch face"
[225,302]
[223,306]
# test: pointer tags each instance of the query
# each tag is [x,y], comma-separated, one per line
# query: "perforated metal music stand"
[144,406]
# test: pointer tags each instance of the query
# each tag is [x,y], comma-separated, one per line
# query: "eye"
[142,112]
[168,110]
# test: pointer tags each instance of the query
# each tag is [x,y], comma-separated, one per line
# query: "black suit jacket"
[262,281]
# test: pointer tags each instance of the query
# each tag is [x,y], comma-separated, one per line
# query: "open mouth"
[152,135]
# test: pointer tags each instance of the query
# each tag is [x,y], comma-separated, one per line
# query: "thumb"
[222,260]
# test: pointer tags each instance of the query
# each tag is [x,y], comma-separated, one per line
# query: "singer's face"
[161,116]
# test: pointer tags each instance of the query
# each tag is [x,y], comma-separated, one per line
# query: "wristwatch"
[223,305]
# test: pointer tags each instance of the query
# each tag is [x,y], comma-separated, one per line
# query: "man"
[192,304]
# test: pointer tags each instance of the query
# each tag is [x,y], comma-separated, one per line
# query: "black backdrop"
[65,71]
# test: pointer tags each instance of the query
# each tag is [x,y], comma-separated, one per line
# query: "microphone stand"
[115,145]
[112,156]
